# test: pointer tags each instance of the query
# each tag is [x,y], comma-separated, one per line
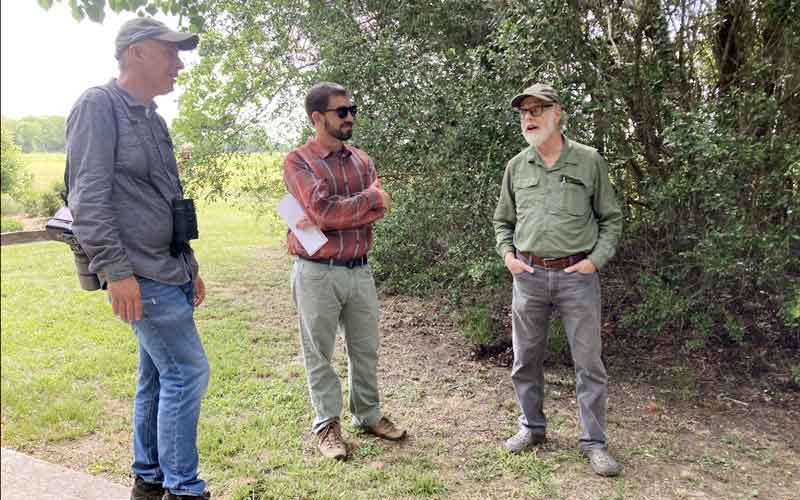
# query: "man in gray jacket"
[122,182]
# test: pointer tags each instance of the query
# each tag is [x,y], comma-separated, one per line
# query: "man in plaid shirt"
[340,192]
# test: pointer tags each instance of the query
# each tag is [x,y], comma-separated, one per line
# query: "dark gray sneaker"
[524,440]
[602,462]
[142,490]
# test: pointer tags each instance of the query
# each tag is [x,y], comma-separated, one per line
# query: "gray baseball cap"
[143,28]
[539,90]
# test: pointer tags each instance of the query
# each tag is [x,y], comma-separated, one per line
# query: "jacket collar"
[129,99]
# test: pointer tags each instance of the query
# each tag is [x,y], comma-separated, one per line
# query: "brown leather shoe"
[331,444]
[385,429]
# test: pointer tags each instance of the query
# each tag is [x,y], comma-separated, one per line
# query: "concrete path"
[25,478]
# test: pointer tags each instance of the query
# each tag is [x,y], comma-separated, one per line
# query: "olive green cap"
[539,90]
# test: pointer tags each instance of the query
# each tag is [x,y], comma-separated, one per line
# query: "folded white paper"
[290,211]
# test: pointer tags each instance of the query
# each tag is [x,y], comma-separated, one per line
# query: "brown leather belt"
[553,263]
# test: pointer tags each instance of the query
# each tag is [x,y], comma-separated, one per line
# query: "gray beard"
[535,140]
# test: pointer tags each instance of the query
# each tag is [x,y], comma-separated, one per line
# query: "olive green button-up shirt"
[558,211]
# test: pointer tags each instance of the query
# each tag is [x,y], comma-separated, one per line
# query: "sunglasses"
[342,111]
[535,110]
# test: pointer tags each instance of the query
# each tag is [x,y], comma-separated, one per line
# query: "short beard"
[339,134]
[536,139]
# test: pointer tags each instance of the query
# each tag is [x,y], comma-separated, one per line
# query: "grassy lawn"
[69,371]
[46,168]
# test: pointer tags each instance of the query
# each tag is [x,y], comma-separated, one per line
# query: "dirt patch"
[674,441]
[106,455]
[30,223]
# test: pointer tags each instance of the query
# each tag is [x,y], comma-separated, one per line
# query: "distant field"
[257,174]
[46,168]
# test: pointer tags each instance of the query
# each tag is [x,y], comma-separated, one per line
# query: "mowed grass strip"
[69,373]
[47,169]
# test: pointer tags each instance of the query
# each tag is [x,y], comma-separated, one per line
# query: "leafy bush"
[8,224]
[720,226]
[558,343]
[477,325]
[796,375]
[43,204]
[11,164]
[10,206]
[703,144]
[790,312]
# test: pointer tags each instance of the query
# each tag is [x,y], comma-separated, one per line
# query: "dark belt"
[553,263]
[350,264]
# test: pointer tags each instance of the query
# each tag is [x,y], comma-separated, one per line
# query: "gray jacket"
[122,178]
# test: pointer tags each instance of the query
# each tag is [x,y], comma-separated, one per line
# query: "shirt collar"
[323,152]
[567,156]
[130,100]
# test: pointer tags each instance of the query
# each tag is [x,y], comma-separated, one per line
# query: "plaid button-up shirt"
[335,190]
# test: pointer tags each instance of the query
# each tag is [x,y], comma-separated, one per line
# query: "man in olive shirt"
[557,222]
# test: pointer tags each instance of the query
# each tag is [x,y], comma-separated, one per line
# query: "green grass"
[46,168]
[8,224]
[69,371]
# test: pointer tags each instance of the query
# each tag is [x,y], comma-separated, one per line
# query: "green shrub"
[557,342]
[7,225]
[796,375]
[661,307]
[44,204]
[734,328]
[790,311]
[10,206]
[707,172]
[477,324]
[11,164]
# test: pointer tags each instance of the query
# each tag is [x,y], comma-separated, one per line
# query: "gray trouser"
[577,298]
[329,299]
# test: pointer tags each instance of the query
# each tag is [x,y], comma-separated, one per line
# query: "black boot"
[142,490]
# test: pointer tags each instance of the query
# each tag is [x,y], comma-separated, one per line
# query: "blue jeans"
[173,377]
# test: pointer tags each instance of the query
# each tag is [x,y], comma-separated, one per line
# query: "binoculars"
[184,226]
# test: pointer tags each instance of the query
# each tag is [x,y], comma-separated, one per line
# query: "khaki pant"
[330,299]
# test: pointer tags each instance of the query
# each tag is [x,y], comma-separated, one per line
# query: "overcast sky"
[48,59]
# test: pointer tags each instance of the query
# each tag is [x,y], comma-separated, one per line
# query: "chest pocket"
[132,154]
[574,195]
[528,192]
